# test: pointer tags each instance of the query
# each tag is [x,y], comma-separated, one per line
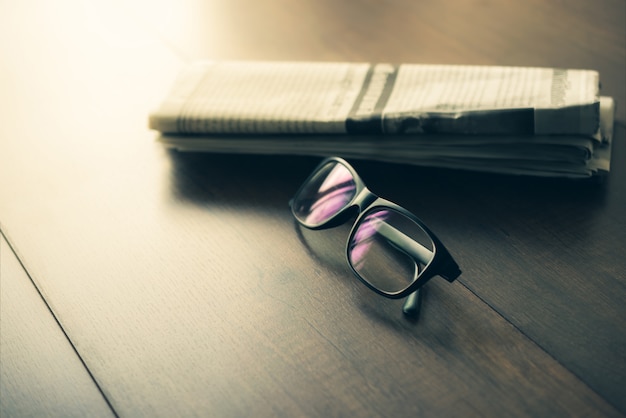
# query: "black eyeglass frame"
[364,202]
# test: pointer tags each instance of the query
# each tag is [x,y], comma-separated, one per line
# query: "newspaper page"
[361,98]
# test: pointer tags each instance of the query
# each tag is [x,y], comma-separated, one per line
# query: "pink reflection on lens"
[363,236]
[336,191]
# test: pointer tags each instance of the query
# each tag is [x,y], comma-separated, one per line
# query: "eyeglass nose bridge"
[364,199]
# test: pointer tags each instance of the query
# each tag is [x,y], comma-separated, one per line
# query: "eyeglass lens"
[329,191]
[388,249]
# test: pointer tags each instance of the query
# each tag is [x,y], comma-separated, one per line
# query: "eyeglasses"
[389,249]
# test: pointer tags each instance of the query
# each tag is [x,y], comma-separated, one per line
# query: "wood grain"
[185,286]
[40,373]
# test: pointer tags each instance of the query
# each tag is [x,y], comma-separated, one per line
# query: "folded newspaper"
[517,120]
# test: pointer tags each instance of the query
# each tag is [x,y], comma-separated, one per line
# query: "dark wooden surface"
[38,362]
[182,282]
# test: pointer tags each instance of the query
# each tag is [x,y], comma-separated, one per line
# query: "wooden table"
[141,282]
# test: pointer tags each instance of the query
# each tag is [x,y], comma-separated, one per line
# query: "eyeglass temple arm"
[403,242]
[449,270]
[413,303]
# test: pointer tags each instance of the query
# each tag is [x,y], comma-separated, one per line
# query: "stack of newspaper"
[516,120]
